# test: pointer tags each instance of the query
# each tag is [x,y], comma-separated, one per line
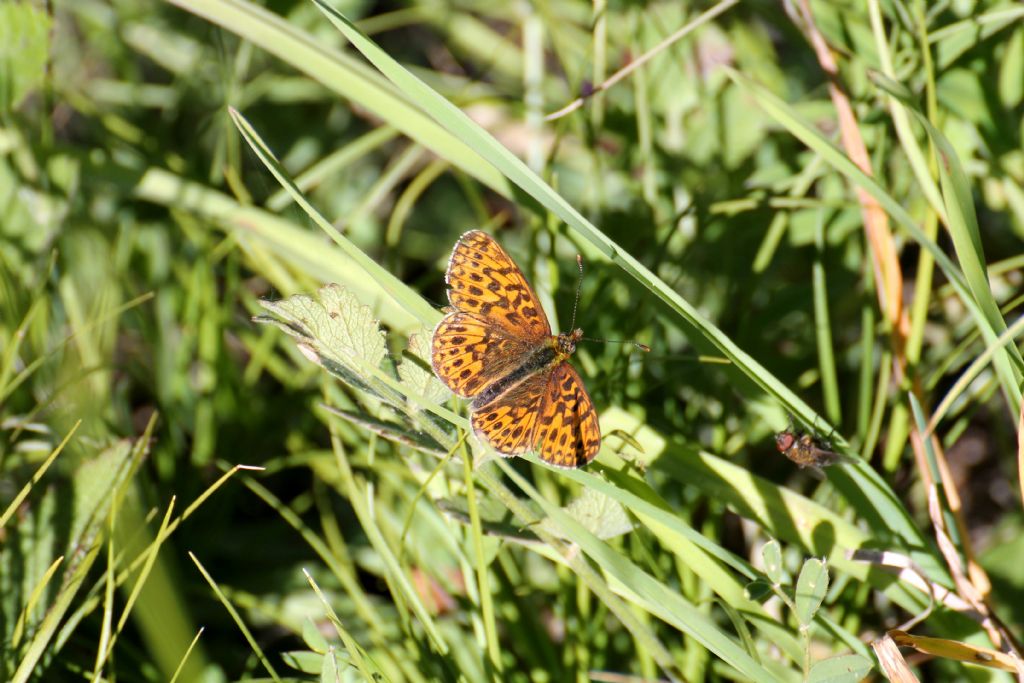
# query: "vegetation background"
[807,209]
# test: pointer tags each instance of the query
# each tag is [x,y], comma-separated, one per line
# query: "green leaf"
[304,661]
[24,47]
[331,671]
[1011,71]
[810,590]
[313,638]
[335,331]
[597,513]
[953,40]
[416,373]
[841,669]
[341,335]
[757,590]
[771,553]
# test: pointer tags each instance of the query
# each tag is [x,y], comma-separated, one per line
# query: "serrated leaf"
[416,373]
[811,587]
[337,332]
[842,669]
[771,553]
[598,513]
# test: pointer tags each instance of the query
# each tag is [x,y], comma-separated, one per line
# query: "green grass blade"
[388,283]
[858,482]
[237,618]
[823,329]
[667,605]
[343,75]
[298,247]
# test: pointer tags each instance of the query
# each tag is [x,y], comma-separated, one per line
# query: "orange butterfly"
[496,347]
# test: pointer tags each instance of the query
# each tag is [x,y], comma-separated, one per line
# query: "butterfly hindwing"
[567,433]
[469,352]
[507,423]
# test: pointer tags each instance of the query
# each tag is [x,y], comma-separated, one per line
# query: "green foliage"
[841,669]
[24,43]
[174,174]
[810,590]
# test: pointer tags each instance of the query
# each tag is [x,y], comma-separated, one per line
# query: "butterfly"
[495,346]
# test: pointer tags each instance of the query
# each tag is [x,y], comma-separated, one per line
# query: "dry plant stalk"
[892,662]
[972,585]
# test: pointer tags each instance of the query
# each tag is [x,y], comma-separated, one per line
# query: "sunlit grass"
[174,173]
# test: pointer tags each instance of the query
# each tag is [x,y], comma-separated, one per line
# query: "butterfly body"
[497,348]
[557,350]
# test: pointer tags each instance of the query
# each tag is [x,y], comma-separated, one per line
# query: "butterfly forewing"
[484,280]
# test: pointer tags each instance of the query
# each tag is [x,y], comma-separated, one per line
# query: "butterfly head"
[784,441]
[566,343]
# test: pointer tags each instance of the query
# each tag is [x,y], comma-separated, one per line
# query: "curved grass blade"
[390,284]
[299,248]
[345,76]
[858,482]
[655,597]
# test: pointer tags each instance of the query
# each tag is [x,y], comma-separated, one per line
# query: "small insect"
[496,347]
[804,450]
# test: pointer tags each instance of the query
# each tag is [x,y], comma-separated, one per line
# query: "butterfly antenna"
[641,347]
[579,288]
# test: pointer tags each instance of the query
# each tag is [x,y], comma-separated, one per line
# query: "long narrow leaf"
[859,481]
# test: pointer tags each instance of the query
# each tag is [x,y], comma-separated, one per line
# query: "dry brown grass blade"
[966,587]
[876,222]
[892,662]
[973,585]
[960,651]
[975,573]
